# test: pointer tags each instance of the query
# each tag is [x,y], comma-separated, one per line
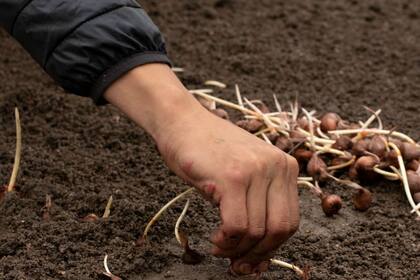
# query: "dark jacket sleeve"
[84,45]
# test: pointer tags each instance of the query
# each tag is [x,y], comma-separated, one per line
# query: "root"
[16,164]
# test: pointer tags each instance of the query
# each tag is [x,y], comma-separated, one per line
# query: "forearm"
[154,98]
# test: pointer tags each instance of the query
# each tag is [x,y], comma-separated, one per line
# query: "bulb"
[331,204]
[343,143]
[362,199]
[329,122]
[317,168]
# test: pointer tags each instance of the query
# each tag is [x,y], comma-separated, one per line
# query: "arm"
[253,183]
[91,49]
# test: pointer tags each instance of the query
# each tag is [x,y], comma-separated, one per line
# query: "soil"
[336,55]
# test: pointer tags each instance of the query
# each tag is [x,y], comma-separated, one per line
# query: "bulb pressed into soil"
[330,122]
[90,218]
[189,256]
[331,204]
[362,199]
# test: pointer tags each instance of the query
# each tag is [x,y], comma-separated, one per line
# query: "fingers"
[256,207]
[234,218]
[282,215]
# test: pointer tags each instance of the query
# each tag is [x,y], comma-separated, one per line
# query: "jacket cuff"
[118,70]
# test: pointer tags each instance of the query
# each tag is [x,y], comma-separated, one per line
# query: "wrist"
[154,98]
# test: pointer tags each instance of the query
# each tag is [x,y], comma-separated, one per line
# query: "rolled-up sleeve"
[84,45]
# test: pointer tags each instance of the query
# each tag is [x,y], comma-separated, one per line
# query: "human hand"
[252,182]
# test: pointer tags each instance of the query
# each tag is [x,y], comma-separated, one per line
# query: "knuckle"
[280,230]
[235,230]
[237,176]
[293,164]
[260,165]
[256,233]
[278,157]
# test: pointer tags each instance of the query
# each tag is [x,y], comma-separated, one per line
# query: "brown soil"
[337,55]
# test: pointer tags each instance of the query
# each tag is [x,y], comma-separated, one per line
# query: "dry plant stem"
[404,177]
[16,164]
[238,96]
[107,211]
[262,131]
[163,209]
[325,149]
[315,188]
[322,134]
[388,175]
[177,69]
[311,129]
[372,118]
[343,165]
[288,266]
[417,208]
[178,222]
[215,84]
[266,119]
[374,131]
[316,139]
[107,271]
[346,182]
[277,103]
[203,93]
[365,125]
[308,179]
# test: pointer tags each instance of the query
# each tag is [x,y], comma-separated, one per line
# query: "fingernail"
[245,268]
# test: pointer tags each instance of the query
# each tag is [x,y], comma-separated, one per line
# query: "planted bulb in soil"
[331,204]
[90,218]
[362,199]
[189,256]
